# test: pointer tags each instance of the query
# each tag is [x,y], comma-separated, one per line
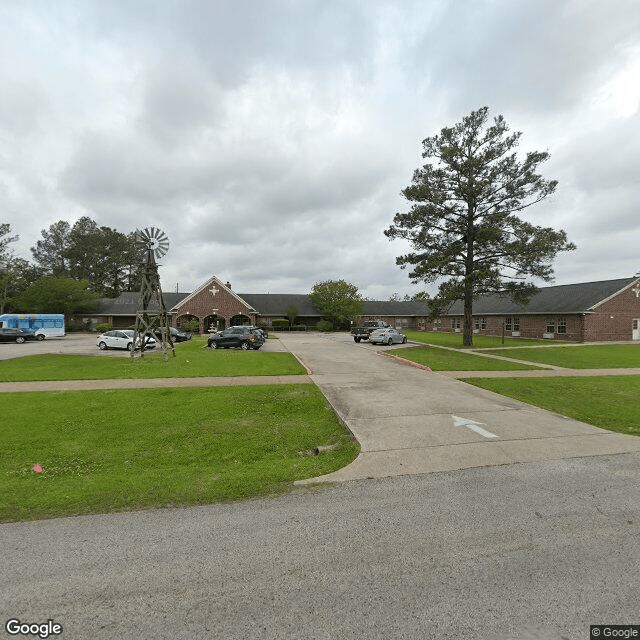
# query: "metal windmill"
[153,244]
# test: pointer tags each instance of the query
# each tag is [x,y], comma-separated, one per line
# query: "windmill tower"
[153,244]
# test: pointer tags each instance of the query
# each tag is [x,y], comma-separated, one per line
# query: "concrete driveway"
[409,420]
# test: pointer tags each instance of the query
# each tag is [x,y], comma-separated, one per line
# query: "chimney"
[228,285]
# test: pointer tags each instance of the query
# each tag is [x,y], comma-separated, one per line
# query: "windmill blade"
[152,239]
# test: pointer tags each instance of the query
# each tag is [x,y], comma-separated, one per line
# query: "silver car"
[122,339]
[389,335]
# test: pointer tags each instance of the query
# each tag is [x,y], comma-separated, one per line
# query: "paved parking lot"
[76,343]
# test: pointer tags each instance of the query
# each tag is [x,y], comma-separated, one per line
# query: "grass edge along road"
[118,450]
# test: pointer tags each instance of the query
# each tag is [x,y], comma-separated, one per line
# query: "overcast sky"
[270,139]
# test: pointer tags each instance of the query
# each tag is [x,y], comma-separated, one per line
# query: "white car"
[122,339]
[389,335]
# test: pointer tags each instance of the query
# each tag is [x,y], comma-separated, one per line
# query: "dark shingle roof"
[395,308]
[274,304]
[567,298]
[126,304]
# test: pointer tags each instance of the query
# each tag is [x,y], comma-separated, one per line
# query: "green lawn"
[445,360]
[116,450]
[191,361]
[609,402]
[608,356]
[479,341]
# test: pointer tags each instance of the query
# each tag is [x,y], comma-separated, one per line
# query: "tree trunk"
[468,316]
[467,340]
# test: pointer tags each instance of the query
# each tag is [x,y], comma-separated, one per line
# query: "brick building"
[586,312]
[608,310]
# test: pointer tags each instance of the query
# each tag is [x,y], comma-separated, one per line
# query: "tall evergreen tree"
[462,225]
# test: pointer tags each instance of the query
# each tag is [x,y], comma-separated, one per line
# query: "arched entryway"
[239,320]
[213,323]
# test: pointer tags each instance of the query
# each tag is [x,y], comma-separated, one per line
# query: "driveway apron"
[409,420]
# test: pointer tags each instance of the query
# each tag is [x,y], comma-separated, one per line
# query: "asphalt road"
[537,550]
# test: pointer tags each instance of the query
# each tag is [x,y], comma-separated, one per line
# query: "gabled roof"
[126,304]
[568,298]
[211,282]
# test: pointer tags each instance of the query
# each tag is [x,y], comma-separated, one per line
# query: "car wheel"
[130,346]
[357,339]
[102,346]
[389,341]
[245,346]
[214,345]
[19,339]
[40,337]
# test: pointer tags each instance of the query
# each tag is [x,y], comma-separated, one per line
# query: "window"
[551,327]
[479,323]
[562,325]
[512,324]
[455,323]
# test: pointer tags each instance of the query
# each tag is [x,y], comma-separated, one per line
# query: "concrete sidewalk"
[409,420]
[92,385]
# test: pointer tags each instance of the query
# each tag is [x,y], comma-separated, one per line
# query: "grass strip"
[191,361]
[606,356]
[445,360]
[117,450]
[608,402]
[454,340]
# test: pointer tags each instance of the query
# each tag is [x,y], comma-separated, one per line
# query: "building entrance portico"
[216,306]
[213,323]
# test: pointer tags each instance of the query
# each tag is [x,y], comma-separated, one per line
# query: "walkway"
[411,420]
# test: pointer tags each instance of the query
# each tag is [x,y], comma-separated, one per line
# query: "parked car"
[16,335]
[242,337]
[363,332]
[388,335]
[262,331]
[176,334]
[123,339]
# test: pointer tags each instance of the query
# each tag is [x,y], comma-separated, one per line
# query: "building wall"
[613,319]
[565,327]
[205,304]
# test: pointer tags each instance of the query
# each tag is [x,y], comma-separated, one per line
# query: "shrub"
[279,323]
[325,326]
[104,326]
[298,327]
[193,325]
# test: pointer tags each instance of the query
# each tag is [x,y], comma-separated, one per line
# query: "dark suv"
[243,337]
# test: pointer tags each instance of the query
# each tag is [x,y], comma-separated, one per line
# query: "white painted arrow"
[473,425]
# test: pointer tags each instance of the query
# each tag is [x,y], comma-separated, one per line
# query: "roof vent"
[228,285]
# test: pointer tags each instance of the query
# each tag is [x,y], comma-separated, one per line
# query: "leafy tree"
[57,295]
[15,276]
[5,230]
[337,299]
[462,224]
[50,253]
[105,257]
[292,313]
